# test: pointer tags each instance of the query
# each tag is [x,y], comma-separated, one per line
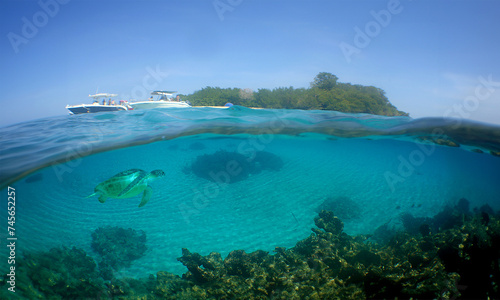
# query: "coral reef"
[466,242]
[430,260]
[117,247]
[329,264]
[343,207]
[449,217]
[229,167]
[61,273]
[330,223]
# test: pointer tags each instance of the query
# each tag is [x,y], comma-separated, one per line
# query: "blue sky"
[433,58]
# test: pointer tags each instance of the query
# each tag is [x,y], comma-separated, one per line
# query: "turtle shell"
[114,186]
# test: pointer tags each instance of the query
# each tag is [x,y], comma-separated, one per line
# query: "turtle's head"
[157,173]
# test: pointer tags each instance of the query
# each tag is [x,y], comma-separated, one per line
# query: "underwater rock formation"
[118,247]
[229,167]
[343,207]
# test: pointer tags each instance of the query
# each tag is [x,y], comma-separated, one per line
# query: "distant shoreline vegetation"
[325,93]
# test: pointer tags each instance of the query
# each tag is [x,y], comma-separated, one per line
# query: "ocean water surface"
[235,179]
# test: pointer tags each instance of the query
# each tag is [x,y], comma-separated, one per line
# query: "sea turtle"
[127,184]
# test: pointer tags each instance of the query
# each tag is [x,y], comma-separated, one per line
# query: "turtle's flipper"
[148,191]
[102,198]
[91,195]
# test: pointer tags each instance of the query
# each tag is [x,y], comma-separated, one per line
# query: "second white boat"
[163,101]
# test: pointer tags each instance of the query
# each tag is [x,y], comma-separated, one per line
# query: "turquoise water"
[382,164]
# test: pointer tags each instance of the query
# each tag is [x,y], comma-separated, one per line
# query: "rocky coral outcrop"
[226,167]
[118,248]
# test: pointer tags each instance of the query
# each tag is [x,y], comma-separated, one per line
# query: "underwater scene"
[238,203]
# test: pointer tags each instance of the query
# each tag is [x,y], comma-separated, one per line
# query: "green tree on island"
[325,93]
[324,81]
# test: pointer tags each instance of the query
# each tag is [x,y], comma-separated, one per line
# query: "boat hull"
[93,108]
[158,104]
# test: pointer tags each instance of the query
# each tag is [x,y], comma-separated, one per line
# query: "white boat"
[98,106]
[163,101]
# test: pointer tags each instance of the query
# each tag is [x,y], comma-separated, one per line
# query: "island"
[325,93]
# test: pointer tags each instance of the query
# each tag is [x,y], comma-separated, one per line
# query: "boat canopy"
[102,95]
[163,93]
